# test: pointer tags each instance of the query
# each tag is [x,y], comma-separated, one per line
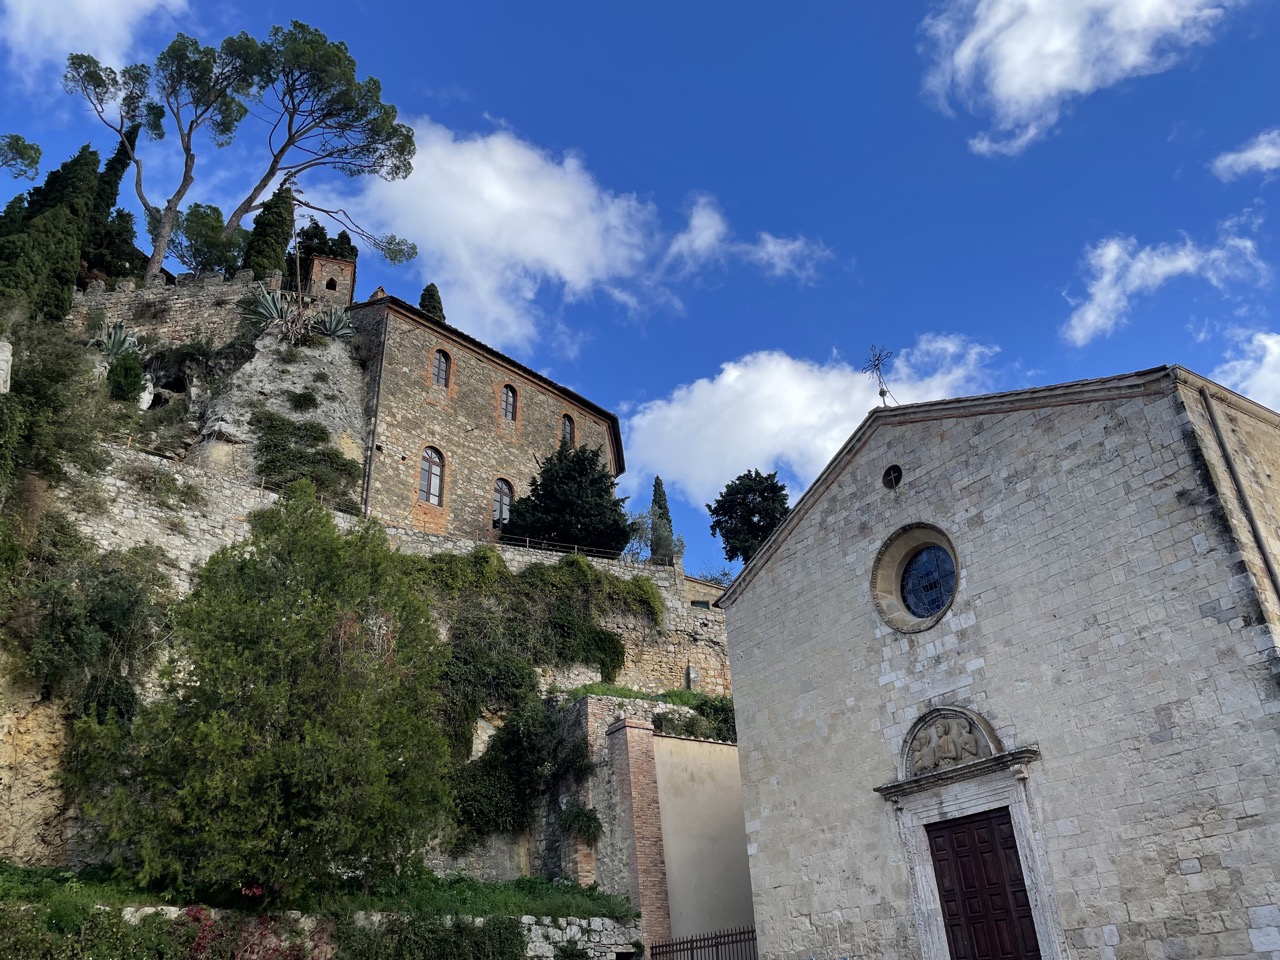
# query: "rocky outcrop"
[34,817]
[320,383]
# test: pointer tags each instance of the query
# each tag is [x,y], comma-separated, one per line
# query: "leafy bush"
[530,753]
[432,938]
[287,451]
[296,744]
[88,622]
[301,400]
[712,719]
[580,822]
[124,377]
[570,950]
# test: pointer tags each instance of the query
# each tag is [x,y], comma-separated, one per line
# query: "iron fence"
[736,944]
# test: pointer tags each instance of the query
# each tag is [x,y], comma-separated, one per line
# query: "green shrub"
[432,938]
[161,487]
[287,451]
[296,746]
[570,950]
[301,400]
[124,377]
[581,823]
[713,718]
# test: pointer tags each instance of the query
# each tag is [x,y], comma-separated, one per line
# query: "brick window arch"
[503,494]
[567,432]
[431,477]
[508,402]
[441,368]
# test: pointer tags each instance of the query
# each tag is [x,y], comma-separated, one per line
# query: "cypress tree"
[272,231]
[430,303]
[110,248]
[662,543]
[41,261]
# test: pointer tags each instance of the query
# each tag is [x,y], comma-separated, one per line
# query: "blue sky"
[703,215]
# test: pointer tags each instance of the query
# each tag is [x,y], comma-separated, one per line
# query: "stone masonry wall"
[1103,613]
[464,422]
[192,309]
[1249,433]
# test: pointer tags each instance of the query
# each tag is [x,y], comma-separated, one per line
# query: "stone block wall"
[1248,441]
[1103,613]
[463,421]
[193,309]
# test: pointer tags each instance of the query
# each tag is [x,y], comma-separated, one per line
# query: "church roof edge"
[418,316]
[1119,386]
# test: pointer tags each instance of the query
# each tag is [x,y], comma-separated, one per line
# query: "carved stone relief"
[946,738]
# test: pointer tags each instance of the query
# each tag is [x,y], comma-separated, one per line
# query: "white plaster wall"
[1103,613]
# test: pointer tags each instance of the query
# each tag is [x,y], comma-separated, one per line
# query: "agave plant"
[113,341]
[275,309]
[333,322]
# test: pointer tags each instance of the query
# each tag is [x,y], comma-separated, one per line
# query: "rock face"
[33,815]
[321,383]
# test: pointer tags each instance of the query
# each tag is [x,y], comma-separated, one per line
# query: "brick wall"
[639,817]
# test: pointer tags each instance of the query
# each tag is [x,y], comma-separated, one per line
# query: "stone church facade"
[1007,682]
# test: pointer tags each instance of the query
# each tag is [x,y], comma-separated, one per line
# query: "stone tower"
[332,281]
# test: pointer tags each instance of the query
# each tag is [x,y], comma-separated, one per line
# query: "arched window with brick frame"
[567,431]
[441,368]
[431,477]
[503,494]
[508,402]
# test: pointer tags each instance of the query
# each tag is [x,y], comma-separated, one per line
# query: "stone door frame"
[1005,787]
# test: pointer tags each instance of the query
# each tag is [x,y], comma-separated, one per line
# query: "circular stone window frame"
[886,576]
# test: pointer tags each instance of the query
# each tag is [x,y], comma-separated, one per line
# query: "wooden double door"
[984,899]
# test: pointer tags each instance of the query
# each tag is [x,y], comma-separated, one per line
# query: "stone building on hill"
[458,428]
[1007,682]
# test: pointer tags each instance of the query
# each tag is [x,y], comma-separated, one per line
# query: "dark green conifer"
[571,502]
[40,262]
[430,303]
[662,543]
[111,249]
[272,231]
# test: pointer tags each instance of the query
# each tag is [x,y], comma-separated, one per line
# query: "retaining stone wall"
[193,309]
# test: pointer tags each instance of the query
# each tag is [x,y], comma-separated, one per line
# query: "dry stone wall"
[193,309]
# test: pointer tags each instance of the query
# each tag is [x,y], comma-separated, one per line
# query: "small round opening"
[892,477]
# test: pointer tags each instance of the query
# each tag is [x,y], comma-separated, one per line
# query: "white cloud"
[40,32]
[496,218]
[771,411]
[1121,270]
[707,239]
[1253,368]
[1259,155]
[1022,61]
[499,221]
